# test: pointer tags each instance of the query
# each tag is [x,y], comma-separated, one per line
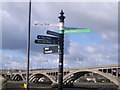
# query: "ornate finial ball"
[61,12]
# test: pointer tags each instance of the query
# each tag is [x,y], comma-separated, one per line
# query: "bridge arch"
[37,76]
[72,76]
[17,77]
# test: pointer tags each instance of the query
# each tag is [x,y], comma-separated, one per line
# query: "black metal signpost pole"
[61,51]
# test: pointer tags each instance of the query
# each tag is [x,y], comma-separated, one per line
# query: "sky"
[100,47]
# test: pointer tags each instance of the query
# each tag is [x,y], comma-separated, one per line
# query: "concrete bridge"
[111,72]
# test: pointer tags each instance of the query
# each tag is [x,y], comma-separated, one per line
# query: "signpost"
[50,50]
[59,40]
[61,51]
[46,42]
[46,37]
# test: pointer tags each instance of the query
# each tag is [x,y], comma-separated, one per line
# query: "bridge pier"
[116,72]
[112,71]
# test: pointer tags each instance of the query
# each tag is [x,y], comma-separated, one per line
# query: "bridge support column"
[116,72]
[102,70]
[112,71]
[107,71]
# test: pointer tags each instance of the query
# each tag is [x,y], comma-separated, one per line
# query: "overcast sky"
[100,47]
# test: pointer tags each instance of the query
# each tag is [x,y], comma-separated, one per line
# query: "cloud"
[90,49]
[14,65]
[12,60]
[100,17]
[91,55]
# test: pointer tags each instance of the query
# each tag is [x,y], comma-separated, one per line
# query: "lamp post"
[26,86]
[61,51]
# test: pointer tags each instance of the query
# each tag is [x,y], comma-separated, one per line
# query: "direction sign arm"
[52,33]
[45,24]
[75,31]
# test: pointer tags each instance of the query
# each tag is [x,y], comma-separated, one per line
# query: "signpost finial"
[61,17]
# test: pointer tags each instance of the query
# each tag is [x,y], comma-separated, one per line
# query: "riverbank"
[111,86]
[77,86]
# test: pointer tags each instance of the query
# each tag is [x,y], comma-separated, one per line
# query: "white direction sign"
[45,24]
[50,50]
